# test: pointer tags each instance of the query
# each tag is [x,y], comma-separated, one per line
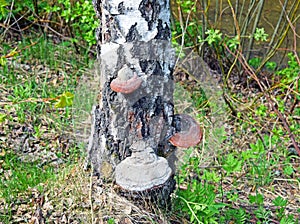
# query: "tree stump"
[134,121]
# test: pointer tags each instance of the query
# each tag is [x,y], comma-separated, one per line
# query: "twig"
[263,88]
[294,33]
[90,193]
[31,100]
[183,28]
[271,101]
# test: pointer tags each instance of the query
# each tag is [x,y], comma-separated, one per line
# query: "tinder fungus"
[188,132]
[143,170]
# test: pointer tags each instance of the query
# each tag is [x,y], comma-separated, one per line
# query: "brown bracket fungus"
[126,86]
[190,133]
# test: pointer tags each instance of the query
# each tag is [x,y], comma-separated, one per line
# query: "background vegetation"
[47,54]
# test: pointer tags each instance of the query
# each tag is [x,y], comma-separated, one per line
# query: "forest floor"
[47,91]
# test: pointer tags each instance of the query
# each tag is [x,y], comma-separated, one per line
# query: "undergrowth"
[247,178]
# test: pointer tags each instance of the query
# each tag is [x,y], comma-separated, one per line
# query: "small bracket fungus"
[190,133]
[143,170]
[126,82]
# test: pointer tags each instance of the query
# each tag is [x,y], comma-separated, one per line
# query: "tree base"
[157,196]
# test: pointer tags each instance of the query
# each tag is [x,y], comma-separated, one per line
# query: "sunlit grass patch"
[37,140]
[18,177]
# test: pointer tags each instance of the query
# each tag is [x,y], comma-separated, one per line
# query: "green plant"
[259,166]
[37,131]
[2,117]
[257,199]
[281,205]
[187,6]
[271,65]
[232,164]
[255,62]
[261,110]
[80,16]
[213,36]
[211,176]
[238,216]
[111,221]
[288,170]
[291,72]
[3,10]
[263,215]
[185,28]
[39,77]
[260,34]
[64,100]
[289,219]
[262,156]
[232,43]
[31,94]
[198,201]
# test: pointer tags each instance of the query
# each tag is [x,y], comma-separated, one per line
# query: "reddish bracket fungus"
[190,133]
[126,87]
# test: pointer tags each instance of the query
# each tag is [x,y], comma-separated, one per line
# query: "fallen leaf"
[66,99]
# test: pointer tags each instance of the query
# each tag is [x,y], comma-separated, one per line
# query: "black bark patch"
[143,65]
[99,37]
[150,9]
[148,105]
[164,33]
[97,6]
[121,8]
[165,148]
[177,123]
[145,108]
[158,69]
[133,34]
[151,67]
[159,106]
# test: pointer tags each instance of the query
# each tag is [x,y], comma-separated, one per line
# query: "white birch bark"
[135,53]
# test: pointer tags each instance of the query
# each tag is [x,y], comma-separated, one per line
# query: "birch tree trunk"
[134,120]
